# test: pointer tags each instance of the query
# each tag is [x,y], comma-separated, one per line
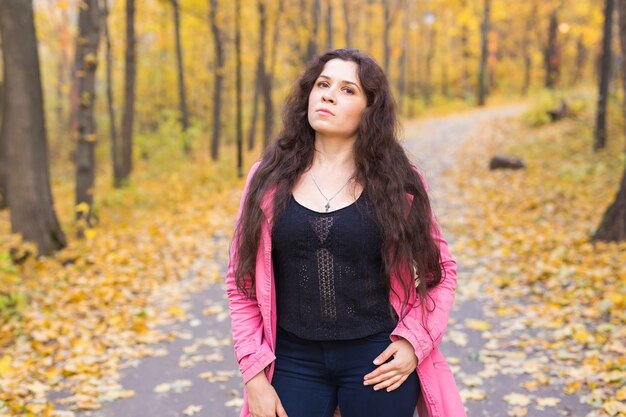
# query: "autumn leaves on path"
[536,330]
[491,370]
[538,327]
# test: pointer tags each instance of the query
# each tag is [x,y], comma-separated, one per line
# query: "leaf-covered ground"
[68,322]
[524,237]
[553,303]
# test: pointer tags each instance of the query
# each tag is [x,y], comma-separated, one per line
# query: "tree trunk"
[23,132]
[218,78]
[552,54]
[238,88]
[466,57]
[386,29]
[130,76]
[3,161]
[115,158]
[260,71]
[526,53]
[347,23]
[312,46]
[581,58]
[403,55]
[430,56]
[85,66]
[255,107]
[329,25]
[605,70]
[268,103]
[613,224]
[182,92]
[484,32]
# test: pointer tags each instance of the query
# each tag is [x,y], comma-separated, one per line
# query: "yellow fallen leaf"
[176,311]
[480,325]
[235,402]
[5,365]
[548,401]
[517,399]
[474,394]
[214,309]
[472,380]
[192,410]
[517,412]
[621,394]
[614,407]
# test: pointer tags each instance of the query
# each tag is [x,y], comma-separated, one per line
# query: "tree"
[605,73]
[314,34]
[526,51]
[85,66]
[390,11]
[329,25]
[23,132]
[3,163]
[402,63]
[260,70]
[268,103]
[182,92]
[613,224]
[218,77]
[238,88]
[115,159]
[347,22]
[552,53]
[128,115]
[484,32]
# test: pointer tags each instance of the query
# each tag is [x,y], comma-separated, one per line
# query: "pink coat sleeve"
[425,339]
[252,351]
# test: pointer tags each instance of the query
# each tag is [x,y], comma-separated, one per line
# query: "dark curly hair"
[381,166]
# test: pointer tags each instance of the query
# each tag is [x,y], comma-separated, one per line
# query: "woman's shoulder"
[420,174]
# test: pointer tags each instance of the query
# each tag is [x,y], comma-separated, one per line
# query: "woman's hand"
[262,398]
[392,374]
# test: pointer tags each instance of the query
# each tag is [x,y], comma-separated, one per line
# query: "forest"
[126,127]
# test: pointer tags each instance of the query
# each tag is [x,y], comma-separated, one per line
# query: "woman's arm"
[252,351]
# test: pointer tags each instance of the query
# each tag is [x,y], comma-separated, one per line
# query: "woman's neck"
[332,154]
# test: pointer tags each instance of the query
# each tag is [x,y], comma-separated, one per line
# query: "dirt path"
[199,370]
[488,369]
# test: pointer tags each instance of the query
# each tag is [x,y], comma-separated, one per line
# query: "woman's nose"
[327,97]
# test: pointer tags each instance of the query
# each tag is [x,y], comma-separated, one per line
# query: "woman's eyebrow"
[344,81]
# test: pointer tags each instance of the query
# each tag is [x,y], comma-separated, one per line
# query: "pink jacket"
[254,321]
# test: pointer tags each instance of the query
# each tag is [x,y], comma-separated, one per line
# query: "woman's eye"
[322,84]
[349,91]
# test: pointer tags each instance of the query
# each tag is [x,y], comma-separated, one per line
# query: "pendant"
[327,206]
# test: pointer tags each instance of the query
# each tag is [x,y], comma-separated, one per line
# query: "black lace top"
[328,272]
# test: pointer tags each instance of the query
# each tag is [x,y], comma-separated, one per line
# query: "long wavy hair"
[382,168]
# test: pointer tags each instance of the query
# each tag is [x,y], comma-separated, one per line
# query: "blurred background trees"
[177,60]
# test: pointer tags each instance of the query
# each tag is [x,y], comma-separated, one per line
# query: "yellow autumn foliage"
[68,321]
[533,227]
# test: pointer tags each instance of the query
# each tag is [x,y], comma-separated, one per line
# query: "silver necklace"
[327,206]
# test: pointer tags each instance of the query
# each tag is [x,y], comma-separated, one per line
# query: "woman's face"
[337,100]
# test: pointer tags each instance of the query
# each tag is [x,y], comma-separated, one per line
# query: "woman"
[340,282]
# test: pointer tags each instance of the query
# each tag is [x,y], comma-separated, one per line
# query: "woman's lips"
[325,111]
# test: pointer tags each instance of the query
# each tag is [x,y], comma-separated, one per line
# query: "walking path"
[197,374]
[489,371]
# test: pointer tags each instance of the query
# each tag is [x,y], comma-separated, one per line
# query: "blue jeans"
[312,377]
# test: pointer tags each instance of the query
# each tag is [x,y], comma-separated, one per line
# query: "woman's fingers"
[381,377]
[280,411]
[388,382]
[398,383]
[386,354]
